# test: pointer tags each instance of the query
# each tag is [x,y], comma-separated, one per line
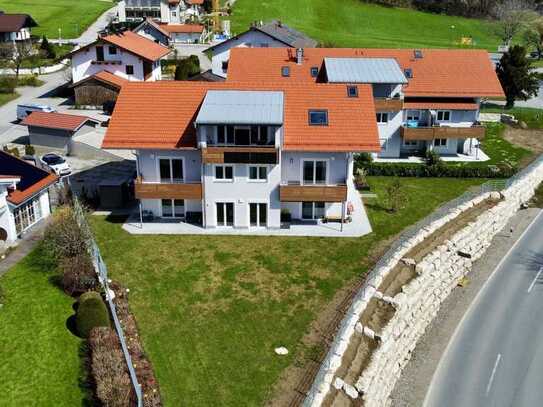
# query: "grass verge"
[7,97]
[353,23]
[211,309]
[39,357]
[531,116]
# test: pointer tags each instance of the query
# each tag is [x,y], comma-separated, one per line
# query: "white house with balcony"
[162,11]
[16,28]
[126,55]
[245,158]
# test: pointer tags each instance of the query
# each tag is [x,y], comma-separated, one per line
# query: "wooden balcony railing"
[240,155]
[144,190]
[313,193]
[388,104]
[431,133]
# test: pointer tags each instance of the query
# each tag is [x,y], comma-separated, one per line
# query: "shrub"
[78,274]
[15,152]
[108,369]
[8,83]
[30,150]
[432,158]
[47,49]
[91,313]
[395,196]
[63,236]
[452,171]
[187,68]
[29,80]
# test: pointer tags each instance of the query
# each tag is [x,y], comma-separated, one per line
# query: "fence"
[101,270]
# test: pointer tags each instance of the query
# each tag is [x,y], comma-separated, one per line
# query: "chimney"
[299,56]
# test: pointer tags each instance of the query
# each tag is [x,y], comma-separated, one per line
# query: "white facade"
[116,61]
[160,10]
[22,35]
[242,193]
[249,39]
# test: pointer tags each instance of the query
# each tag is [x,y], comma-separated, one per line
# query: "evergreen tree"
[47,48]
[516,77]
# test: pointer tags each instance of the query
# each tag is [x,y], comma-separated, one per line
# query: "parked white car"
[24,110]
[57,163]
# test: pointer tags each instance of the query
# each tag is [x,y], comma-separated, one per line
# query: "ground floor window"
[173,208]
[440,142]
[313,210]
[225,213]
[258,214]
[410,143]
[27,215]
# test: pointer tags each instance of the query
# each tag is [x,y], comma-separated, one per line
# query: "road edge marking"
[491,380]
[474,302]
[535,279]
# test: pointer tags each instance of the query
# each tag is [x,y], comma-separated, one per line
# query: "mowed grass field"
[71,16]
[353,23]
[211,309]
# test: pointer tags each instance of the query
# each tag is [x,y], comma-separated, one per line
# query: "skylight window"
[318,117]
[408,73]
[285,71]
[314,71]
[352,91]
[418,54]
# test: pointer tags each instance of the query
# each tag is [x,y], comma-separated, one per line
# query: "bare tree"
[514,16]
[16,54]
[533,37]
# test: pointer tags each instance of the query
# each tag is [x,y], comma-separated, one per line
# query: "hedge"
[91,313]
[449,171]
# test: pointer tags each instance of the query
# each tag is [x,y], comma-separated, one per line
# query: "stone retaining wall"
[438,273]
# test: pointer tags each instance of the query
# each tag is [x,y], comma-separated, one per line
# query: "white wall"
[6,218]
[82,66]
[148,164]
[291,166]
[190,38]
[254,39]
[389,135]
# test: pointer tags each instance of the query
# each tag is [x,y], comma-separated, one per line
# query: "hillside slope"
[352,23]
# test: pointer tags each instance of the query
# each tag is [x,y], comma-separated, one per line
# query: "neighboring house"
[271,35]
[126,55]
[24,196]
[57,130]
[16,27]
[168,34]
[424,99]
[95,90]
[163,11]
[243,156]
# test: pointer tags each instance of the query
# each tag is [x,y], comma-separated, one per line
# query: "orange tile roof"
[104,76]
[182,28]
[17,196]
[195,2]
[137,44]
[70,122]
[440,73]
[170,123]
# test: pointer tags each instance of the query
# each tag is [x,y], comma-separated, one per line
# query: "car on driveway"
[57,163]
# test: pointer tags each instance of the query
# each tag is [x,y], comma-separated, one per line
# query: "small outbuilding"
[95,90]
[56,130]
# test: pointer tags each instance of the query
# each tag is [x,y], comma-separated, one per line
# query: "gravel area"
[411,389]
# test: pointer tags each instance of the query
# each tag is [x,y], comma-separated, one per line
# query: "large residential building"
[245,156]
[170,34]
[274,34]
[24,197]
[425,99]
[163,11]
[99,69]
[15,27]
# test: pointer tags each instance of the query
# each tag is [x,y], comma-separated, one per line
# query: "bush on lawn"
[442,170]
[63,236]
[30,150]
[47,49]
[29,80]
[108,369]
[187,68]
[91,313]
[8,83]
[78,274]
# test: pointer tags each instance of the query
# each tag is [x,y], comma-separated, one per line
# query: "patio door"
[173,208]
[313,210]
[258,215]
[225,213]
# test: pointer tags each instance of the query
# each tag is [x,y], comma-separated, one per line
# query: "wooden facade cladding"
[388,104]
[167,191]
[313,193]
[431,133]
[240,155]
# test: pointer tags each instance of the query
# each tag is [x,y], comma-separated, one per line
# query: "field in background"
[71,16]
[353,23]
[211,309]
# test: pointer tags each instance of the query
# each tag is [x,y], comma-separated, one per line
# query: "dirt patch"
[403,274]
[529,139]
[377,315]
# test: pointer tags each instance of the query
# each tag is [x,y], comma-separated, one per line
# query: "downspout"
[137,176]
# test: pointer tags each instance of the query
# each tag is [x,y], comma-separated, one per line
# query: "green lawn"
[500,150]
[532,116]
[39,357]
[72,16]
[7,97]
[354,23]
[211,309]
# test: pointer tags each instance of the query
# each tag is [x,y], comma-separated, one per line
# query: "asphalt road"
[495,357]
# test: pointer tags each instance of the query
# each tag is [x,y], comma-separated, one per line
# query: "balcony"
[388,104]
[147,190]
[240,155]
[110,62]
[295,192]
[430,133]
